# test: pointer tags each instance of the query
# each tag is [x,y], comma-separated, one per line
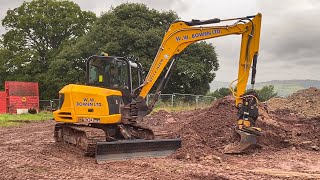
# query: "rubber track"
[93,135]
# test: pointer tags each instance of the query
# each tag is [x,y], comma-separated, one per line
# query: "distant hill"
[282,87]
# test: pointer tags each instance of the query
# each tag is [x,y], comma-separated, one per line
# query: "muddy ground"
[289,147]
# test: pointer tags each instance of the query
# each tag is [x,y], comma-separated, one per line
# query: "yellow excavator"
[102,117]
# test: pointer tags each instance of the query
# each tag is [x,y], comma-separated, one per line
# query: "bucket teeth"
[247,142]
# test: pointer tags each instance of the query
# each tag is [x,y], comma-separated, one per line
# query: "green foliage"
[37,31]
[129,29]
[169,108]
[49,40]
[266,93]
[4,53]
[194,70]
[220,93]
[134,29]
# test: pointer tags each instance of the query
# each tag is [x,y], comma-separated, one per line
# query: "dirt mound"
[286,123]
[297,119]
[304,103]
[159,118]
[206,132]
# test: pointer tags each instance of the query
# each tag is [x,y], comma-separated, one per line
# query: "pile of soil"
[206,132]
[167,124]
[304,103]
[210,130]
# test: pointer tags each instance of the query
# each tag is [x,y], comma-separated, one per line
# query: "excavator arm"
[180,35]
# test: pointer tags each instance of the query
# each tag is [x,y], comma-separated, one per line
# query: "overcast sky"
[290,37]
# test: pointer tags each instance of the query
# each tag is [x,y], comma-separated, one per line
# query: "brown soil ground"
[305,103]
[289,148]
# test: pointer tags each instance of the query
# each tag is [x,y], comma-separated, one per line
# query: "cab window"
[135,77]
[108,72]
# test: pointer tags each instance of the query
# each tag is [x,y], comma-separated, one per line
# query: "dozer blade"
[247,142]
[129,149]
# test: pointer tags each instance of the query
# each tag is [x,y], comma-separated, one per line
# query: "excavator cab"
[117,73]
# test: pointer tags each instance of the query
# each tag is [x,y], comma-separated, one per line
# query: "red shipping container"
[3,102]
[22,102]
[15,88]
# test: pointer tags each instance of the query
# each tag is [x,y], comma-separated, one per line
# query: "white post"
[172,100]
[197,101]
[147,100]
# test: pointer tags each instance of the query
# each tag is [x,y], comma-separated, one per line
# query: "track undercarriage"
[84,137]
[114,142]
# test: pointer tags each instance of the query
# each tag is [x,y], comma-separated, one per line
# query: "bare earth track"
[290,147]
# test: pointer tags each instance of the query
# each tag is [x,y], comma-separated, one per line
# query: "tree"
[37,31]
[220,93]
[266,92]
[3,53]
[134,29]
[194,70]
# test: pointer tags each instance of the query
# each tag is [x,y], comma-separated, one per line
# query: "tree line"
[265,93]
[48,41]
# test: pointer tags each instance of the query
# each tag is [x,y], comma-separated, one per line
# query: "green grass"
[17,119]
[179,107]
[174,109]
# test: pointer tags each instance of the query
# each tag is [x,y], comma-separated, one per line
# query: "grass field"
[17,119]
[175,108]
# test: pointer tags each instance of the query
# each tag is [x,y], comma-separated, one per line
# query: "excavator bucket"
[247,142]
[129,149]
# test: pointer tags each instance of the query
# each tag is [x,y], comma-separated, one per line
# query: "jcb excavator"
[102,117]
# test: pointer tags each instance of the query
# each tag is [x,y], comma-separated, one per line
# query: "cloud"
[290,31]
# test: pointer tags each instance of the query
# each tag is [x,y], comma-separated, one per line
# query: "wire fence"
[48,105]
[165,100]
[182,100]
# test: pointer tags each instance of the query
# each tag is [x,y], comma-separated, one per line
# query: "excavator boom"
[181,34]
